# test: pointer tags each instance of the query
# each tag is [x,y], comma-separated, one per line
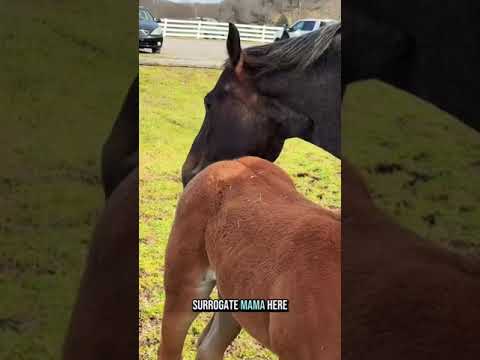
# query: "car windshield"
[308,25]
[144,15]
[297,26]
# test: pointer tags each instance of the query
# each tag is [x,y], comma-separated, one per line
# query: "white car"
[301,27]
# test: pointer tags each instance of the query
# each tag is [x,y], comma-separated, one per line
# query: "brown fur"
[245,220]
[402,296]
[104,323]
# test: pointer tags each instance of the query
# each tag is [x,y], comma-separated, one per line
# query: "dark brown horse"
[428,50]
[120,151]
[104,321]
[242,225]
[270,93]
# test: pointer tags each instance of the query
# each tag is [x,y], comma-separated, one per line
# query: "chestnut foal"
[242,225]
[403,297]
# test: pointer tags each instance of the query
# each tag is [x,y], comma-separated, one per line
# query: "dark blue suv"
[150,34]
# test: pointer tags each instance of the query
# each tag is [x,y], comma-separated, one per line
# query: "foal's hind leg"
[178,316]
[219,333]
[187,277]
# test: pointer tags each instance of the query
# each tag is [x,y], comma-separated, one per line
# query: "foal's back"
[404,297]
[265,240]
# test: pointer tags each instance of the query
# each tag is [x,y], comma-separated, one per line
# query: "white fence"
[217,30]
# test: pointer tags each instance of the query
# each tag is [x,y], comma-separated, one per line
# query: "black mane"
[300,53]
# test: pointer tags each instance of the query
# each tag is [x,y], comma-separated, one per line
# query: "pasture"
[421,164]
[171,112]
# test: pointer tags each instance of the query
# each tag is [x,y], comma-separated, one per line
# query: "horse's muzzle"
[190,169]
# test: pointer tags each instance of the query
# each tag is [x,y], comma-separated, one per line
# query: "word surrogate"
[240,305]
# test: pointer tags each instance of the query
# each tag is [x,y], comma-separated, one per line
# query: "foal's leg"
[187,277]
[178,316]
[187,269]
[219,333]
[205,331]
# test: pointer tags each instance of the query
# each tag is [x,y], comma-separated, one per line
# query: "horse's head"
[260,100]
[236,122]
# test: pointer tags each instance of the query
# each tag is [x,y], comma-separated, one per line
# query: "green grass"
[171,112]
[58,66]
[382,125]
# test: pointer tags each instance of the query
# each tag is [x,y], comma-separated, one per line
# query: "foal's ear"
[234,48]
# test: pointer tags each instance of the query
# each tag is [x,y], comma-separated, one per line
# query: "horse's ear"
[234,48]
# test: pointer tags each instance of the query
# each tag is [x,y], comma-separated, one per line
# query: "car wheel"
[155,50]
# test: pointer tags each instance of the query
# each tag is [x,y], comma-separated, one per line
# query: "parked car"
[150,33]
[302,27]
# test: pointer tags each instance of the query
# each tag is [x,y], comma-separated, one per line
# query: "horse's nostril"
[194,164]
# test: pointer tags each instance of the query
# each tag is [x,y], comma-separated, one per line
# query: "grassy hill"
[421,163]
[58,67]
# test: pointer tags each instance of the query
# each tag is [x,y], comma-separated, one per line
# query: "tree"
[282,20]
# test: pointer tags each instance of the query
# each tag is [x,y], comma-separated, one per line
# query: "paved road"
[189,52]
